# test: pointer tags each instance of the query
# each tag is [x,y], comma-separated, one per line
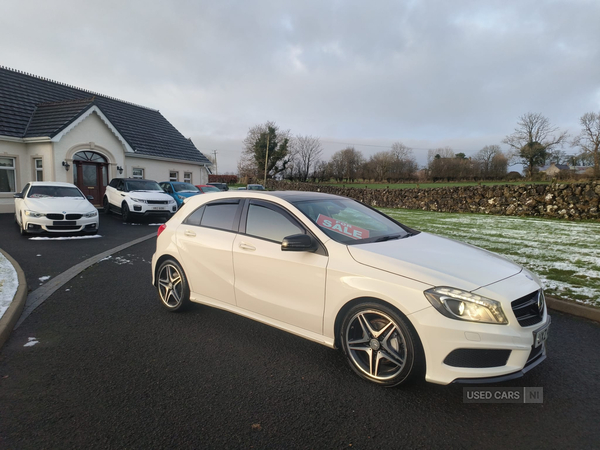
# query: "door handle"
[189,233]
[245,246]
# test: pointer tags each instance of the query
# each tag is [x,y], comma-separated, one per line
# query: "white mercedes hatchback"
[54,207]
[399,303]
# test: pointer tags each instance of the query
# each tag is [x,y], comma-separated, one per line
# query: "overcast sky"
[426,73]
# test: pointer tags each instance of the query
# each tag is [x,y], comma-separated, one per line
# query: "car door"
[205,239]
[283,285]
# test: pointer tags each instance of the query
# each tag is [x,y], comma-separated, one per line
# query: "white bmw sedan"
[53,207]
[400,303]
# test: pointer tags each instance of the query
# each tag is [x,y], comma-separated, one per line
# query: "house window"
[137,173]
[39,169]
[173,176]
[7,175]
[187,177]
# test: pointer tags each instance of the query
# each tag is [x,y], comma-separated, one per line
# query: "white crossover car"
[54,207]
[134,198]
[397,301]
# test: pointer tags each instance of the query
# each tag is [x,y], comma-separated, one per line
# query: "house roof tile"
[32,106]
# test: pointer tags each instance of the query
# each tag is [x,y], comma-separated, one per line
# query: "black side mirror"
[89,197]
[18,195]
[299,243]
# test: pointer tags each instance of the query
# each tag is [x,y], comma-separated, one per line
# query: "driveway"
[102,365]
[48,258]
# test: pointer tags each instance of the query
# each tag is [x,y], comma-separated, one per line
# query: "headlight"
[138,200]
[91,214]
[172,201]
[463,305]
[181,197]
[34,214]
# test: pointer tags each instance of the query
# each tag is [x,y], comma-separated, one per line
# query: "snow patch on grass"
[8,284]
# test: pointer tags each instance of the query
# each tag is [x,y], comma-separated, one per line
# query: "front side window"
[351,222]
[39,169]
[265,223]
[7,175]
[137,173]
[220,215]
[173,176]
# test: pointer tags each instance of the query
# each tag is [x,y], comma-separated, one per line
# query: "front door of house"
[90,174]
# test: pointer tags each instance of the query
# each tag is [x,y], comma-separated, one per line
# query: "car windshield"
[142,185]
[349,222]
[210,189]
[185,187]
[54,192]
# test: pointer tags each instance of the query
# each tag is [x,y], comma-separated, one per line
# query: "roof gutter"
[159,158]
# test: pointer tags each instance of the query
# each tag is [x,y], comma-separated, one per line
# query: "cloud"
[416,71]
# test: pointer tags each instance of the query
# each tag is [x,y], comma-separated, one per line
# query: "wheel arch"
[159,262]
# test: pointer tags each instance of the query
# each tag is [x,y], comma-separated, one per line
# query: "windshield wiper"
[393,236]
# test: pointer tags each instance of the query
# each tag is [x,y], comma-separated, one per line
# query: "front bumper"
[146,210]
[38,225]
[442,336]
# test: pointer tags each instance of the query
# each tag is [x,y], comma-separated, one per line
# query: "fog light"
[137,208]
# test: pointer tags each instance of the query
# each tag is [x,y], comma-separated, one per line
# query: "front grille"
[158,202]
[55,216]
[73,216]
[526,309]
[477,358]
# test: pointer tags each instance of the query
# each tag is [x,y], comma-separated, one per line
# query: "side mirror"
[18,195]
[299,243]
[89,197]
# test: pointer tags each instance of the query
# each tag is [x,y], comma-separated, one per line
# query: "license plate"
[71,223]
[158,207]
[540,336]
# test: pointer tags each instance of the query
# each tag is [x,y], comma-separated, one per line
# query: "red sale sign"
[343,228]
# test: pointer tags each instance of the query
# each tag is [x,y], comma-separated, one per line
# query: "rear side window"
[220,215]
[195,217]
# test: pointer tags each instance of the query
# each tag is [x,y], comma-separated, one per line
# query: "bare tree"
[346,164]
[533,137]
[589,139]
[307,152]
[485,157]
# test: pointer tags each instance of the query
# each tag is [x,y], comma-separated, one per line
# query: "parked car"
[242,188]
[205,188]
[255,187]
[134,198]
[54,207]
[220,186]
[179,190]
[397,301]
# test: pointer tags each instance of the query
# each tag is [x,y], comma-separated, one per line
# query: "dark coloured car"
[220,186]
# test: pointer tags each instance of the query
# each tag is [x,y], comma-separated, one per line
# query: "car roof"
[51,183]
[289,196]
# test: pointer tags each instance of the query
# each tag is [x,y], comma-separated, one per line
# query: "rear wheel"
[379,346]
[172,285]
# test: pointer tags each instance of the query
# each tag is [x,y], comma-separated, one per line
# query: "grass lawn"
[428,185]
[566,255]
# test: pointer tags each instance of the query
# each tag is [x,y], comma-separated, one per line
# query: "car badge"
[64,212]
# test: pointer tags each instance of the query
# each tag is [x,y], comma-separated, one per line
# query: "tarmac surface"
[101,364]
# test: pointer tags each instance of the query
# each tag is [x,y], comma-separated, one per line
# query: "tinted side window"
[268,224]
[220,215]
[195,217]
[114,182]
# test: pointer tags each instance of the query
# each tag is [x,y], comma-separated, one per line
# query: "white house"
[53,132]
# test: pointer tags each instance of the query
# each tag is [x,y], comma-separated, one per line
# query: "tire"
[172,285]
[22,229]
[125,212]
[106,206]
[379,345]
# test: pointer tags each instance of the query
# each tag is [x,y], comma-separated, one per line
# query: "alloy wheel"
[170,285]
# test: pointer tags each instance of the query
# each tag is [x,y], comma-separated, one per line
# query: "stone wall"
[567,201]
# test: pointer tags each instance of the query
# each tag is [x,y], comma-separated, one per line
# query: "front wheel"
[379,346]
[22,228]
[173,288]
[106,206]
[125,213]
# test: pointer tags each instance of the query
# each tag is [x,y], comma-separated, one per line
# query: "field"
[429,185]
[566,255]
